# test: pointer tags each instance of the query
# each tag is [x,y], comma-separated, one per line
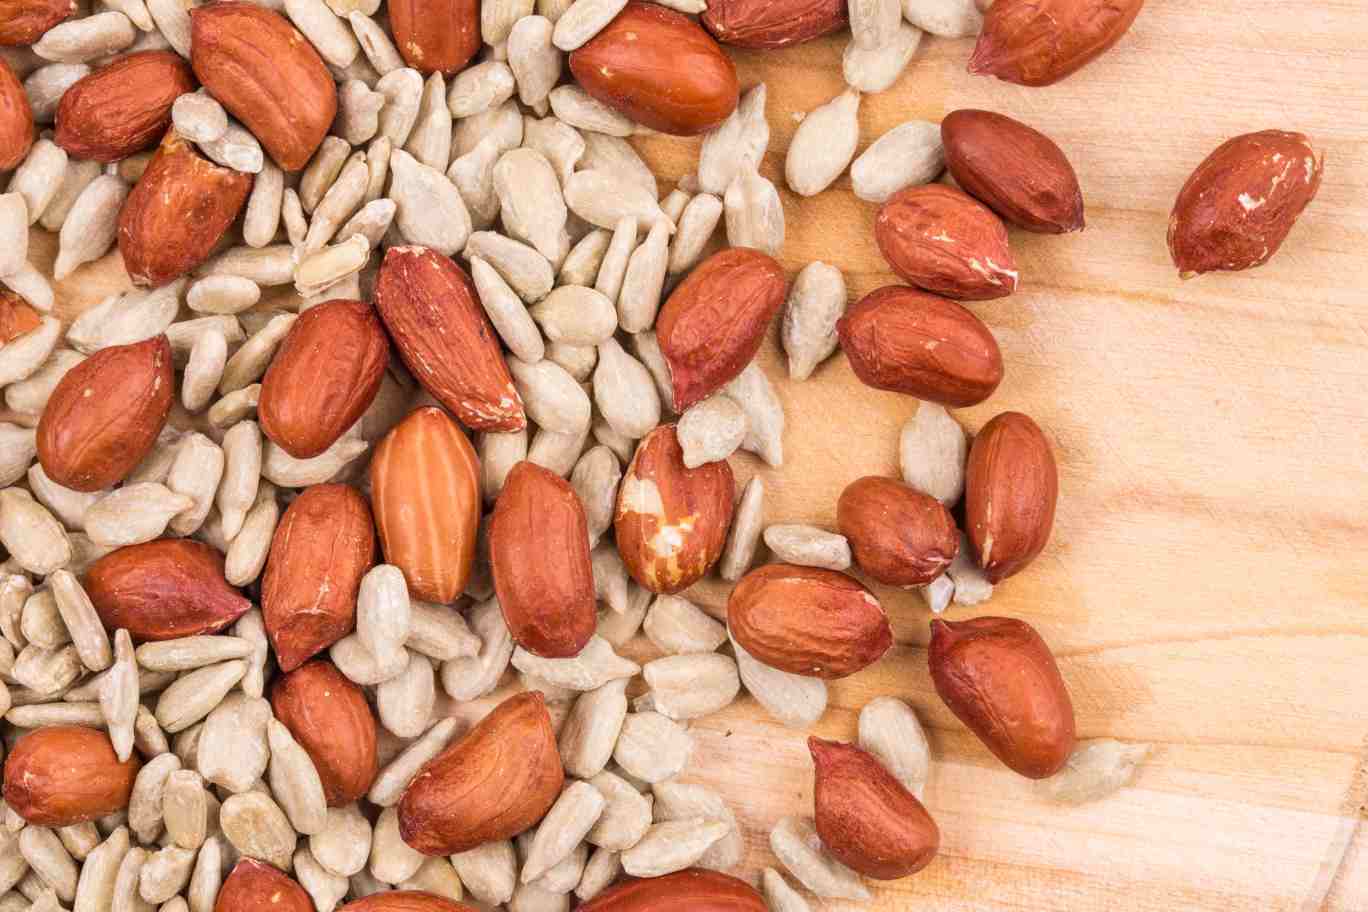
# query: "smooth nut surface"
[88,442]
[436,36]
[1017,171]
[899,536]
[256,885]
[865,817]
[713,323]
[178,212]
[1011,486]
[325,374]
[259,67]
[122,108]
[16,118]
[659,68]
[808,621]
[539,555]
[901,339]
[25,21]
[685,891]
[426,495]
[330,718]
[497,781]
[64,775]
[999,678]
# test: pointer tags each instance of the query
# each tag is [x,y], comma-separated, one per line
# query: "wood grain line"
[1282,633]
[1354,807]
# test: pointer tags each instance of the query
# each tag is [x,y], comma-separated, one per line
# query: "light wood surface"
[1206,587]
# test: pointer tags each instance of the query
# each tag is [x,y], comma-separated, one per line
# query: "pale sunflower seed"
[972,586]
[677,801]
[576,315]
[502,125]
[45,87]
[165,873]
[910,154]
[697,223]
[394,777]
[430,139]
[652,747]
[31,534]
[692,686]
[672,846]
[595,479]
[711,430]
[145,802]
[876,69]
[780,896]
[325,888]
[283,470]
[127,318]
[613,153]
[21,357]
[643,282]
[764,414]
[567,822]
[134,514]
[737,146]
[816,300]
[489,871]
[591,730]
[524,269]
[405,702]
[679,627]
[343,845]
[498,454]
[808,546]
[889,730]
[795,843]
[596,665]
[204,371]
[795,700]
[577,108]
[75,179]
[375,43]
[1095,770]
[195,694]
[49,860]
[480,88]
[39,177]
[605,197]
[31,394]
[754,213]
[258,828]
[535,61]
[473,677]
[95,888]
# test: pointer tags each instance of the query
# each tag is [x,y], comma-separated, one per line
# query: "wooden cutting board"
[1206,588]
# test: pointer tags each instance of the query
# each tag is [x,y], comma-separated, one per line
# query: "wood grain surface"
[1206,587]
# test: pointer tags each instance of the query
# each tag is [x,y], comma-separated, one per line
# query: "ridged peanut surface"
[425,491]
[497,781]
